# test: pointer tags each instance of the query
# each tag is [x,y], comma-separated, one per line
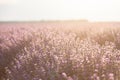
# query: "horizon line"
[64,20]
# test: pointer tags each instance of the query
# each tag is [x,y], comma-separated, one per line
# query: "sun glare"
[8,2]
[93,10]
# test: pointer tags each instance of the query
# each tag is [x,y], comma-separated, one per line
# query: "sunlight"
[8,2]
[93,10]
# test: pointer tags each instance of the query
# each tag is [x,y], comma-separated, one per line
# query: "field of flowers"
[60,51]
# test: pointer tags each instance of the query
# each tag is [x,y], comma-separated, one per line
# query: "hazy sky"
[93,10]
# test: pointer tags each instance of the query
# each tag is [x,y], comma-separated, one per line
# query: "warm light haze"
[36,10]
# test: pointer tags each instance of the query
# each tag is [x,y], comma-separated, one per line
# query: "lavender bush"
[54,53]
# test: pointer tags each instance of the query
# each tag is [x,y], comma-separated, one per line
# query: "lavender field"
[60,51]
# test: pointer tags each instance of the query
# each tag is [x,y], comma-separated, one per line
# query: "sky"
[36,10]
